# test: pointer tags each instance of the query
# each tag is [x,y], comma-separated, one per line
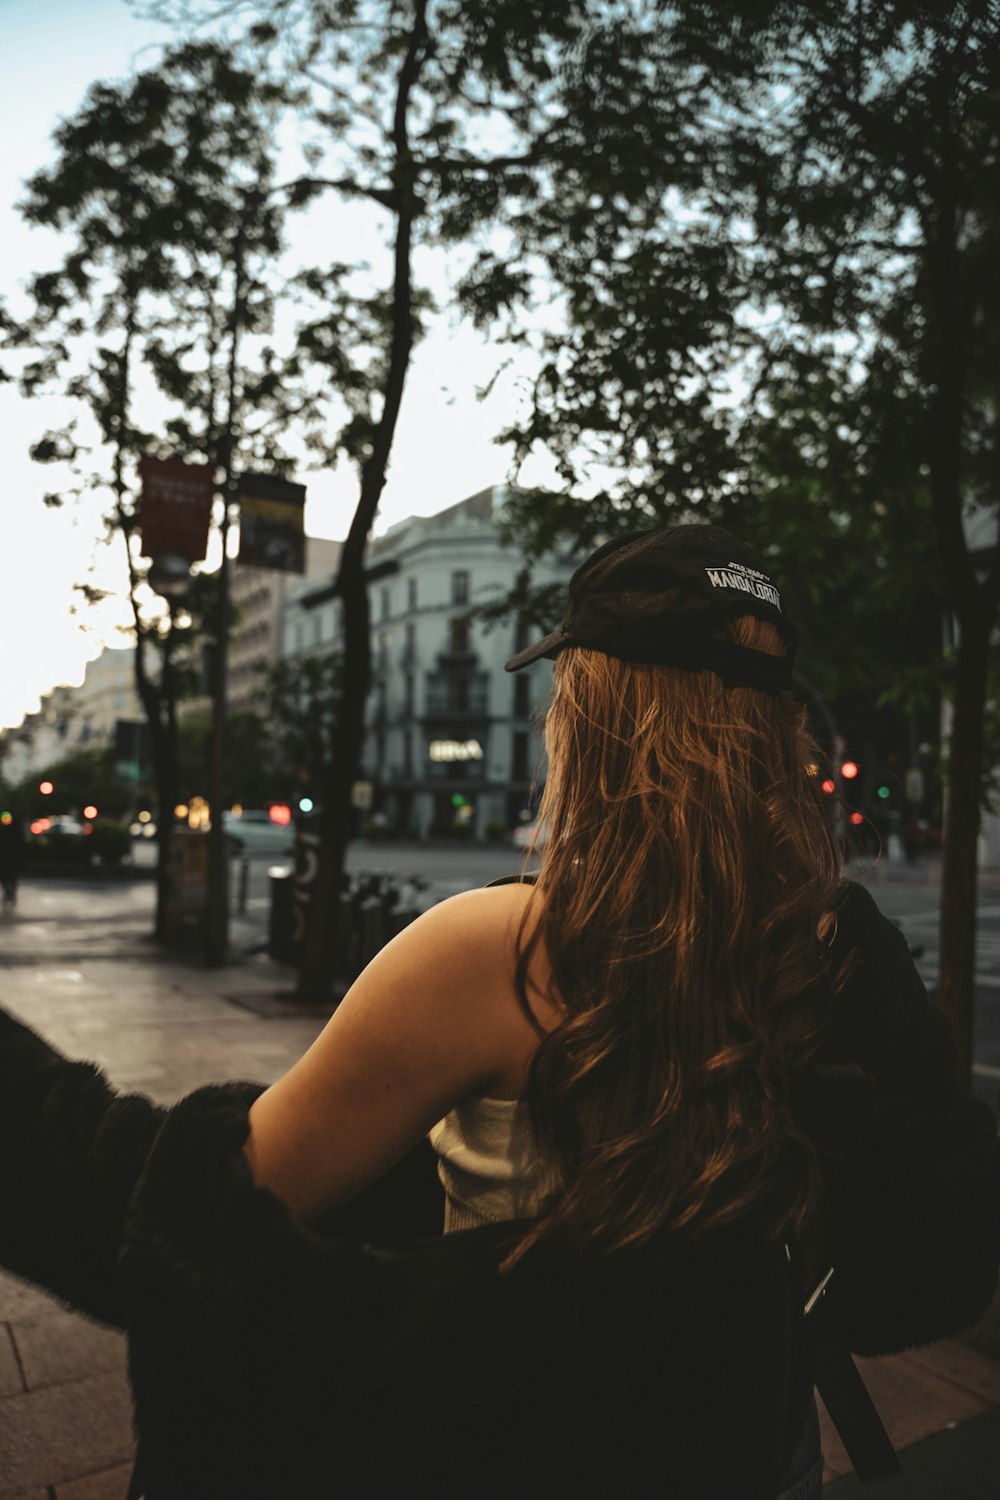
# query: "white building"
[453,739]
[260,596]
[74,718]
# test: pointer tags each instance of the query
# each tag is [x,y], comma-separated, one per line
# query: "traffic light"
[884,792]
[280,813]
[849,769]
[46,788]
[829,787]
[306,804]
[90,811]
[857,818]
[6,818]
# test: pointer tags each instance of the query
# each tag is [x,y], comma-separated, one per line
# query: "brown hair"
[690,860]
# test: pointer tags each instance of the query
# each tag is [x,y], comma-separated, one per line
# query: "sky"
[52,51]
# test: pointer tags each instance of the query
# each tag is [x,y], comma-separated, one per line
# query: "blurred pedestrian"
[11,856]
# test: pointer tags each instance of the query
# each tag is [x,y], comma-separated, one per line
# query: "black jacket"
[372,1356]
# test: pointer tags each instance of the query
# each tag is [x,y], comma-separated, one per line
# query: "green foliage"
[109,842]
[303,698]
[252,771]
[743,252]
[83,778]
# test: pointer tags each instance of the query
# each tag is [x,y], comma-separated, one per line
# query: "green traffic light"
[884,792]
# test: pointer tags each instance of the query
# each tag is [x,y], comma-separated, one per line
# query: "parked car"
[255,829]
[55,827]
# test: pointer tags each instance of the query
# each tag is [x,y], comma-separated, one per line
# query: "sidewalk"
[78,965]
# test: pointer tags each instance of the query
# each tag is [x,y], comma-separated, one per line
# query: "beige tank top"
[488,1164]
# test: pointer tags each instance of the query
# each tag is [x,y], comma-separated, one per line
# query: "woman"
[622,1050]
[666,1088]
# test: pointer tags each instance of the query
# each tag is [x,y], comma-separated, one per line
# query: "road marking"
[984,1070]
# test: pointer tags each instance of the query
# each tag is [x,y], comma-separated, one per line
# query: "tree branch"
[346,185]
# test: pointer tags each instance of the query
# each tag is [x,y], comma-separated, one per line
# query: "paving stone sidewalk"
[76,962]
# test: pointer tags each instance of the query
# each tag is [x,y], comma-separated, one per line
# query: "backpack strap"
[845,1395]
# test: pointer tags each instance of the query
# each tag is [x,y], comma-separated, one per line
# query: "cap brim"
[550,645]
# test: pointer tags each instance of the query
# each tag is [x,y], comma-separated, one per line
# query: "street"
[906,894]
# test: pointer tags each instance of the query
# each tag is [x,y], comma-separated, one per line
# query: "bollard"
[241,898]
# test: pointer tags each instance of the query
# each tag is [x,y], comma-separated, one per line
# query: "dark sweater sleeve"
[913,1170]
[71,1152]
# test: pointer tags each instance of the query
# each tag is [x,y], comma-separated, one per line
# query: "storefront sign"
[444,750]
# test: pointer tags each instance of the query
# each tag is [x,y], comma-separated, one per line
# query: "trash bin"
[187,887]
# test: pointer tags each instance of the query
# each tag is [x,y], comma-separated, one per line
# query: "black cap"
[660,596]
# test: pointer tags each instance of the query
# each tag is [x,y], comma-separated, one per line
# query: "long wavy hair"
[690,861]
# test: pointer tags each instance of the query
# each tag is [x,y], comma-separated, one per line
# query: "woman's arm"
[431,1020]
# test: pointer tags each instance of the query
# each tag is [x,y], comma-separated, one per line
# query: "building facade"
[260,596]
[454,743]
[74,718]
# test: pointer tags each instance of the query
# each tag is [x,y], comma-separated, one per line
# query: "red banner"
[175,507]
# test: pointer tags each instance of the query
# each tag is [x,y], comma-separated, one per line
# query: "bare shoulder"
[491,914]
[466,947]
[433,1019]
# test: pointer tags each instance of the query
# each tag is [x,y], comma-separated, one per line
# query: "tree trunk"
[957,943]
[320,958]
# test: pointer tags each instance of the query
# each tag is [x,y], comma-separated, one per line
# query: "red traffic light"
[280,813]
[46,788]
[857,818]
[828,787]
[849,770]
[90,811]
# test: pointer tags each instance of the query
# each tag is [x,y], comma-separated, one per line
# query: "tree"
[164,184]
[791,327]
[303,710]
[885,187]
[411,99]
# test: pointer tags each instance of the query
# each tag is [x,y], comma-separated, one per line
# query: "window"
[460,588]
[522,634]
[408,695]
[385,604]
[410,644]
[407,754]
[458,634]
[522,699]
[411,594]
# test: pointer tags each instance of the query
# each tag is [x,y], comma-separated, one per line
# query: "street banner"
[272,523]
[175,507]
